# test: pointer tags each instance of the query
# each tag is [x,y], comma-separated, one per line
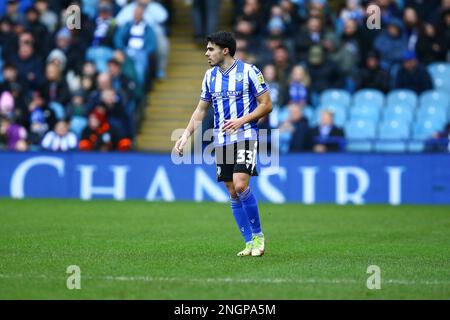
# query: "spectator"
[8,38]
[38,30]
[138,39]
[324,73]
[60,139]
[297,128]
[120,83]
[57,57]
[312,35]
[276,95]
[282,64]
[155,15]
[100,136]
[41,119]
[55,88]
[19,90]
[412,27]
[105,26]
[205,15]
[12,10]
[431,45]
[340,55]
[372,76]
[270,75]
[326,134]
[352,10]
[66,43]
[12,135]
[412,75]
[29,65]
[298,85]
[391,44]
[440,141]
[47,17]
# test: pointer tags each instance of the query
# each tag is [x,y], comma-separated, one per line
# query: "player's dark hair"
[224,40]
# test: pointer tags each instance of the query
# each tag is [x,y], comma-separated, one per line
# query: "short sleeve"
[256,81]
[205,94]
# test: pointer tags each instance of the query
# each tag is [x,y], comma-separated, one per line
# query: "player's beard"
[216,64]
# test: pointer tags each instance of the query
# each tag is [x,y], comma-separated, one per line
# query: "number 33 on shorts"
[246,157]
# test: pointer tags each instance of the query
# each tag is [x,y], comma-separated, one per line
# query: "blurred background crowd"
[63,89]
[336,84]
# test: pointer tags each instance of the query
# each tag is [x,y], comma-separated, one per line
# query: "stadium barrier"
[305,178]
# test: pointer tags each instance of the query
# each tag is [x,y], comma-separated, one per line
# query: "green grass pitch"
[141,250]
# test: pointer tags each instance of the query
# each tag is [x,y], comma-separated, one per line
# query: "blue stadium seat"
[360,129]
[431,111]
[100,56]
[423,130]
[399,112]
[402,97]
[77,124]
[334,97]
[394,130]
[440,73]
[437,98]
[58,109]
[89,8]
[340,114]
[309,114]
[365,112]
[369,97]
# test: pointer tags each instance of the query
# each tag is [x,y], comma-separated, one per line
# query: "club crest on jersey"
[239,77]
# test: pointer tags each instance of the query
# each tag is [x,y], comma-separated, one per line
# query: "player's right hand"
[179,145]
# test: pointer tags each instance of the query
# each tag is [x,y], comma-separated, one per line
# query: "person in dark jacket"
[412,75]
[324,73]
[55,88]
[323,132]
[391,44]
[372,76]
[431,45]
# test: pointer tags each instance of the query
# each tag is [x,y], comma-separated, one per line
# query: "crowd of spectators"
[67,88]
[304,47]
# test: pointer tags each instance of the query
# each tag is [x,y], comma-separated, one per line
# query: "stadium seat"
[423,130]
[430,111]
[392,130]
[309,114]
[334,97]
[402,97]
[77,124]
[434,97]
[360,129]
[340,114]
[399,112]
[100,56]
[90,8]
[369,97]
[440,74]
[58,109]
[365,112]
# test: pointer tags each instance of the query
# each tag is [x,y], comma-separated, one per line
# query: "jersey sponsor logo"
[225,94]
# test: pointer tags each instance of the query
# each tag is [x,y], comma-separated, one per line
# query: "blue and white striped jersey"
[233,94]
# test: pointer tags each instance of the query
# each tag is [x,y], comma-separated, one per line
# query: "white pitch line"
[233,280]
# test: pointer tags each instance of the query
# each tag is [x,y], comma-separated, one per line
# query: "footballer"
[239,95]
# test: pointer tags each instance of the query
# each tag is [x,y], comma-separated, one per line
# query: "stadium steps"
[173,100]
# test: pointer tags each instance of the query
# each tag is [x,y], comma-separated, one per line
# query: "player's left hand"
[232,126]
